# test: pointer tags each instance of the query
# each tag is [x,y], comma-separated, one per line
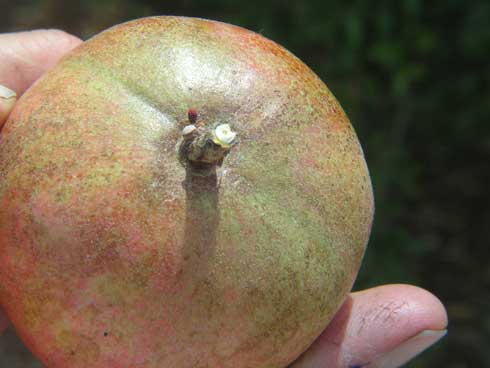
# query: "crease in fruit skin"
[291,203]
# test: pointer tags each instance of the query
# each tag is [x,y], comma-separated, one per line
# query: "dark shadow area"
[201,221]
[13,353]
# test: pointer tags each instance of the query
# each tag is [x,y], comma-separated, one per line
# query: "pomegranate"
[178,192]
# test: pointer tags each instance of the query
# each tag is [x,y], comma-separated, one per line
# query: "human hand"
[382,327]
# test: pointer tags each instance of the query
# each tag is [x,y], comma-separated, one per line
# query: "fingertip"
[60,38]
[432,314]
[422,309]
[27,55]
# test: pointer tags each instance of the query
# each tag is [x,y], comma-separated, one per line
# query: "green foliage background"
[414,78]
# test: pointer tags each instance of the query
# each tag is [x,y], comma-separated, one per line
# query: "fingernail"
[408,349]
[7,93]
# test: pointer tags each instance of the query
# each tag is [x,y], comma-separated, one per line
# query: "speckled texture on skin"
[112,255]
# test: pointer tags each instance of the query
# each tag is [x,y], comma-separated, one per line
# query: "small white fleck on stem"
[188,129]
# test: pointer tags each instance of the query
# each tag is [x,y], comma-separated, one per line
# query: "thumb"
[383,327]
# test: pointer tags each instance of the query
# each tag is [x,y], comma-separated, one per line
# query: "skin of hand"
[383,327]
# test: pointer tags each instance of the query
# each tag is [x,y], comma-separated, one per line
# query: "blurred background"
[415,80]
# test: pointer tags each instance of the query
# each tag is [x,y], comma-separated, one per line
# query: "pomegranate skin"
[114,254]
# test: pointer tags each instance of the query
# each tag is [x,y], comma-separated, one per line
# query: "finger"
[25,56]
[382,327]
[7,102]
